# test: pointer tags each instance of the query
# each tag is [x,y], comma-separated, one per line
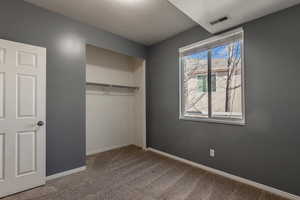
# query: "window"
[212,79]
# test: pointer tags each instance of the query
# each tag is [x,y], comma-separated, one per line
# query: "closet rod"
[112,85]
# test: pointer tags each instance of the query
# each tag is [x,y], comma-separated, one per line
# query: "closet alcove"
[115,100]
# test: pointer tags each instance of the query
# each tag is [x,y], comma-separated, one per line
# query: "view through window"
[212,79]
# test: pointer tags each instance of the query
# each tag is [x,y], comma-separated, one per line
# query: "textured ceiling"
[143,21]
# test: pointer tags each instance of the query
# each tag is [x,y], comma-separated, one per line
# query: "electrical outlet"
[212,153]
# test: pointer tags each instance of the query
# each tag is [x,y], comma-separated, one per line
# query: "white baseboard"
[230,176]
[65,173]
[92,152]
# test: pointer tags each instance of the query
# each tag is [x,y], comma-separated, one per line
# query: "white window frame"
[213,40]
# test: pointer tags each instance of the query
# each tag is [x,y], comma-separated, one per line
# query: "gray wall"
[65,41]
[265,150]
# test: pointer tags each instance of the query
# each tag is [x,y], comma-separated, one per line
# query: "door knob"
[40,123]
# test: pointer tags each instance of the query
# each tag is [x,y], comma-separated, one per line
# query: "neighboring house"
[196,87]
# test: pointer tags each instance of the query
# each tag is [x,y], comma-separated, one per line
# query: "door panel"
[2,145]
[22,105]
[26,59]
[2,98]
[26,152]
[2,55]
[26,95]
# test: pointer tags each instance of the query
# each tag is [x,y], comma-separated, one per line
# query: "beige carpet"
[132,174]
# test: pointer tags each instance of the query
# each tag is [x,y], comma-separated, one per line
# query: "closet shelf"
[112,85]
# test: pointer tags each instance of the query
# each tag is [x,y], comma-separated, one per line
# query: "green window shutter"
[202,83]
[213,82]
[205,84]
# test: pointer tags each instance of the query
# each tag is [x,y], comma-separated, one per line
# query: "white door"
[22,114]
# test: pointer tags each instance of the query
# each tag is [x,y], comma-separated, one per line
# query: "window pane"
[195,92]
[227,94]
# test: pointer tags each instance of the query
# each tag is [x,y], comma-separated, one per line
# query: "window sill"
[238,122]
